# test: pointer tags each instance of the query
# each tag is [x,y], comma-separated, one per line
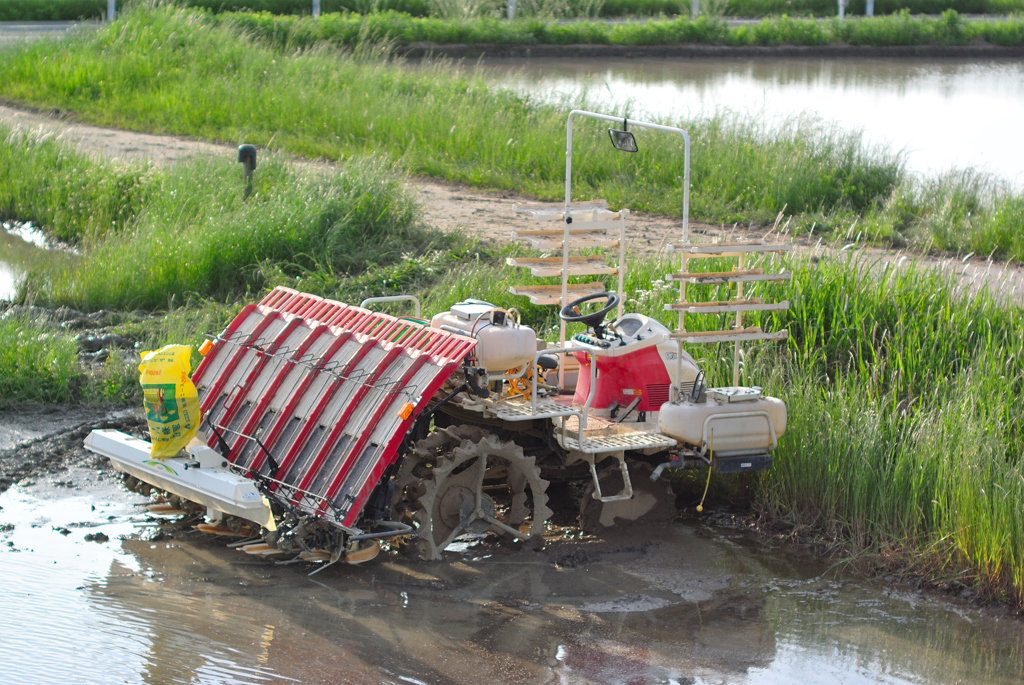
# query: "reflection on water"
[944,114]
[195,612]
[10,279]
[22,246]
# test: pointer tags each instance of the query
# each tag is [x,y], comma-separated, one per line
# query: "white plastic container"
[749,424]
[503,344]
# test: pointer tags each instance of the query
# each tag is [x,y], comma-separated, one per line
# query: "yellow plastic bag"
[172,403]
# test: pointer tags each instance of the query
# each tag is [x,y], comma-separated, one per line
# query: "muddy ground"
[94,589]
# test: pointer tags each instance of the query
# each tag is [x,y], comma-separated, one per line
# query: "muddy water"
[23,245]
[944,114]
[690,604]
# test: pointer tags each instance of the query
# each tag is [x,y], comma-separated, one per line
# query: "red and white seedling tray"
[325,390]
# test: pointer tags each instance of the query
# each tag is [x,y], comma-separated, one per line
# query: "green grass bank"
[152,238]
[185,72]
[70,10]
[349,30]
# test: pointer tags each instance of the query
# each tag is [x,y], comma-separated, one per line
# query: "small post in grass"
[694,8]
[111,9]
[511,10]
[247,158]
[871,8]
[842,9]
[316,8]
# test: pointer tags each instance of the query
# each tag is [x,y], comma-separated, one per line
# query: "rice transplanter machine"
[328,427]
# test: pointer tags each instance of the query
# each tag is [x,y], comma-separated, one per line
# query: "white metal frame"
[622,245]
[394,298]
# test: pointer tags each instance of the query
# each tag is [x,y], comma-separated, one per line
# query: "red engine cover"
[640,372]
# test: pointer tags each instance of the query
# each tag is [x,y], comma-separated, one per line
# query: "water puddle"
[86,597]
[22,246]
[948,113]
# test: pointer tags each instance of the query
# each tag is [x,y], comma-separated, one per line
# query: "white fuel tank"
[733,421]
[503,344]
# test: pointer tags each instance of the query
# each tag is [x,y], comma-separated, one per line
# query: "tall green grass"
[150,237]
[214,83]
[70,10]
[349,30]
[45,181]
[197,236]
[36,365]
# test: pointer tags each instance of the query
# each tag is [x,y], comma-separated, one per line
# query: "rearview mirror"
[622,140]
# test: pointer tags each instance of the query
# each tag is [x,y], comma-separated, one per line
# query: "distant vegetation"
[55,10]
[349,30]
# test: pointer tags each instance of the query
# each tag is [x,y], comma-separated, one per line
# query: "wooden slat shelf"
[751,305]
[552,294]
[729,249]
[736,335]
[578,241]
[575,229]
[588,265]
[735,276]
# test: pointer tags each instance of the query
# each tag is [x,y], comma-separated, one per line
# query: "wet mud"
[95,589]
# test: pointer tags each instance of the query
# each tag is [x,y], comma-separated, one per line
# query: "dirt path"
[447,206]
[484,214]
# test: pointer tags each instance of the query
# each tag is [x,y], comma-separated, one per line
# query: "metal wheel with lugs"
[464,480]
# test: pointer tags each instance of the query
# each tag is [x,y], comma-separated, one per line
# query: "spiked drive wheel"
[465,480]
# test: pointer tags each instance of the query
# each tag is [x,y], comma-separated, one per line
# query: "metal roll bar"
[395,298]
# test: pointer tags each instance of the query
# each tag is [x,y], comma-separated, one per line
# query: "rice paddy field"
[904,390]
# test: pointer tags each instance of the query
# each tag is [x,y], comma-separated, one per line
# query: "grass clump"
[150,238]
[36,365]
[49,184]
[197,236]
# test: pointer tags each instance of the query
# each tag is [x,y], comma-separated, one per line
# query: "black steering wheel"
[571,313]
